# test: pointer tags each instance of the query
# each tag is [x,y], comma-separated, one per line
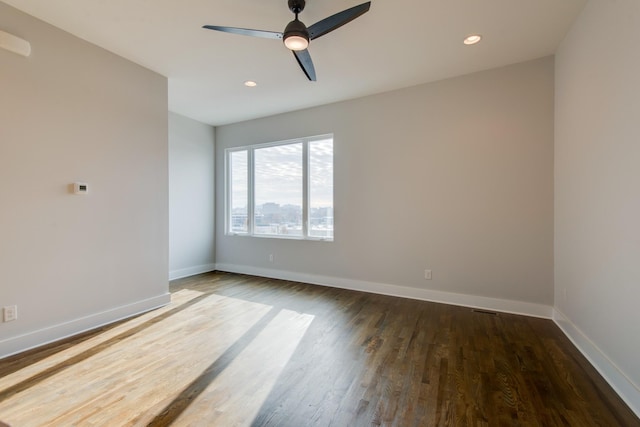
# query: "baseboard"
[485,303]
[54,333]
[623,386]
[191,271]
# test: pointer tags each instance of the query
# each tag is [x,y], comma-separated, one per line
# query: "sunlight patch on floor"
[177,299]
[120,383]
[235,397]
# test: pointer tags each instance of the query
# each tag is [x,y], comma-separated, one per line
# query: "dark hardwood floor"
[240,350]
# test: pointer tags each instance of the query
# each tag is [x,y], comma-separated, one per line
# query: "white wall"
[597,190]
[191,197]
[74,112]
[455,176]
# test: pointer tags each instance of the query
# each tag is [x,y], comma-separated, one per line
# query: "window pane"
[321,188]
[278,190]
[239,194]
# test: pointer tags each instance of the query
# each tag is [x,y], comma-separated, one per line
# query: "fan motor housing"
[296,28]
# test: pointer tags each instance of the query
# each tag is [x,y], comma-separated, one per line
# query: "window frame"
[250,149]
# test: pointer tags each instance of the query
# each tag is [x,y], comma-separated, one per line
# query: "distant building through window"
[282,189]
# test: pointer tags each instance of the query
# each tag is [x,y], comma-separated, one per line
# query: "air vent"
[493,313]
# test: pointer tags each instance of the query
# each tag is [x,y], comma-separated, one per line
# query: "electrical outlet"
[427,274]
[10,313]
[271,257]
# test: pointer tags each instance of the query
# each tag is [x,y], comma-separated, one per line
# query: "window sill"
[281,237]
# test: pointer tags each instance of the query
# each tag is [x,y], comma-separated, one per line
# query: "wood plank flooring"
[235,350]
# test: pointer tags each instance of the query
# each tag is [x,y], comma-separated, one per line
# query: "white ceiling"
[396,44]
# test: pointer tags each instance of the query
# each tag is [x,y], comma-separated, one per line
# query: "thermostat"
[80,188]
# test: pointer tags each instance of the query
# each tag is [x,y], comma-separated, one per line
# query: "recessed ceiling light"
[472,39]
[250,83]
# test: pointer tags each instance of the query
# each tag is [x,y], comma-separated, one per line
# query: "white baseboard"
[626,389]
[191,271]
[485,303]
[54,333]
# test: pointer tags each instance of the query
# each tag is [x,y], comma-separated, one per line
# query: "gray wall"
[455,176]
[191,197]
[74,112]
[597,190]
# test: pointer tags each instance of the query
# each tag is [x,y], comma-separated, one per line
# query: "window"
[240,191]
[282,189]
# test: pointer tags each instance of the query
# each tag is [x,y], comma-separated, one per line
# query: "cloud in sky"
[278,174]
[321,173]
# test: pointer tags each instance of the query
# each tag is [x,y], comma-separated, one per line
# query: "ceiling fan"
[296,35]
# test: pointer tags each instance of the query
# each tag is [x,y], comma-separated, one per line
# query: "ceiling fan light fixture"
[296,42]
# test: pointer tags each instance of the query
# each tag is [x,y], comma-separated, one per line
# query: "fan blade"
[329,24]
[304,59]
[246,32]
